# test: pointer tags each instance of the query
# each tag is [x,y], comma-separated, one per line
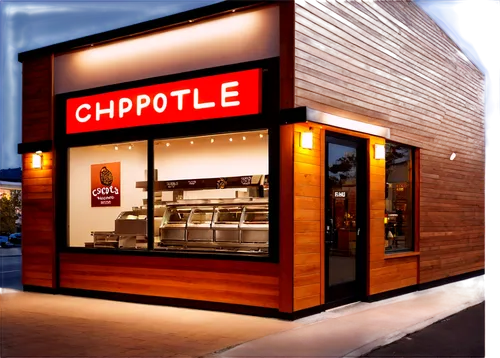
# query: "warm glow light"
[192,142]
[130,147]
[168,144]
[453,155]
[230,139]
[386,220]
[379,151]
[261,135]
[116,147]
[244,138]
[212,140]
[306,140]
[37,160]
[249,35]
[346,123]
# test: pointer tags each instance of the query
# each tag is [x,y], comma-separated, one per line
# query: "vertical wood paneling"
[37,184]
[307,212]
[286,219]
[388,64]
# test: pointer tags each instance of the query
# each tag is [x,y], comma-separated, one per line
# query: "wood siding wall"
[308,218]
[244,283]
[388,64]
[37,184]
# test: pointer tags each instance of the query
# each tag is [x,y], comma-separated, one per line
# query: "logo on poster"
[105,186]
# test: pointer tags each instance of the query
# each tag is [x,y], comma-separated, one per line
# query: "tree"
[342,169]
[394,156]
[9,212]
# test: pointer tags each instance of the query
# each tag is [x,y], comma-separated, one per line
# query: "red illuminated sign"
[218,96]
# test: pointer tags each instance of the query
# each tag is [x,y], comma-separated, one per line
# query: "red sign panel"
[105,184]
[218,96]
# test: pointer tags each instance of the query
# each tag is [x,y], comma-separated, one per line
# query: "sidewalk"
[357,329]
[35,325]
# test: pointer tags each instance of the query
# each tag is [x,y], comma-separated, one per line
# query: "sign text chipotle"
[218,96]
[105,184]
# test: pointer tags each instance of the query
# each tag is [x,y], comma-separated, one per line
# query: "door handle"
[358,231]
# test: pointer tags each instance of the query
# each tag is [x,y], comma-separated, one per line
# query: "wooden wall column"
[38,248]
[286,219]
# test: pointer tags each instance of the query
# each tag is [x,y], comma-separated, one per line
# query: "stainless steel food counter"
[130,230]
[226,225]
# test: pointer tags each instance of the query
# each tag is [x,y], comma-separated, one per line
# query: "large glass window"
[107,207]
[398,198]
[212,194]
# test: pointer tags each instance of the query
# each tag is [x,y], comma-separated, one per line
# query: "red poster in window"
[226,95]
[105,187]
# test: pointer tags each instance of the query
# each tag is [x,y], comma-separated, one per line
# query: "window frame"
[267,120]
[415,204]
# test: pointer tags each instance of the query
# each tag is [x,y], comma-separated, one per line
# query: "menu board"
[209,183]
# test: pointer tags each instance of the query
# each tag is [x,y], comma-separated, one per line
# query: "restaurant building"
[277,158]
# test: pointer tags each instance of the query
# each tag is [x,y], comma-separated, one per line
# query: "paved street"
[10,268]
[461,335]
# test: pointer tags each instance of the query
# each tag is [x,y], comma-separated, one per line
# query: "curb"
[384,341]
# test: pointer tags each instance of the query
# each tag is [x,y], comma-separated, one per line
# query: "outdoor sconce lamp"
[379,151]
[37,160]
[306,139]
[453,155]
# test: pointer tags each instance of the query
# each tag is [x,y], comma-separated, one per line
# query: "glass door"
[346,209]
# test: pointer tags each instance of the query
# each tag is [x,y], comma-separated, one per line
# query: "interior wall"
[233,38]
[82,217]
[180,160]
[203,159]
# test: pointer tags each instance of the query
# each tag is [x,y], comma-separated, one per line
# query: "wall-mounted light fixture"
[37,160]
[453,155]
[306,139]
[379,151]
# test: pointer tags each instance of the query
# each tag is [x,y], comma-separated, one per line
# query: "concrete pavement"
[36,325]
[358,329]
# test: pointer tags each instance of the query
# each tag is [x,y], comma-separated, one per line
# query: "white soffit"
[232,38]
[315,116]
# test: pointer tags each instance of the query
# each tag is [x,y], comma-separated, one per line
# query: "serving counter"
[230,225]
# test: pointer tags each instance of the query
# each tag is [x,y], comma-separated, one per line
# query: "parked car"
[4,242]
[15,238]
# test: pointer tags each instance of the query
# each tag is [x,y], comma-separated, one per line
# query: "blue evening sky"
[27,25]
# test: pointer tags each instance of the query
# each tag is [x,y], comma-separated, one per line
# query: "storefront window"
[212,194]
[398,198]
[107,203]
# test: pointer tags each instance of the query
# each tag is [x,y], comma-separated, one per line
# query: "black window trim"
[413,206]
[267,120]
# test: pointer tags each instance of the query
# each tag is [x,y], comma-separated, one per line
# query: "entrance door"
[346,218]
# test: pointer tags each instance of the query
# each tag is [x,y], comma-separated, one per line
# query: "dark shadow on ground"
[460,335]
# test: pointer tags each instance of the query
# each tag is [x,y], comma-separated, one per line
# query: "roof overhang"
[32,147]
[142,28]
[305,114]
